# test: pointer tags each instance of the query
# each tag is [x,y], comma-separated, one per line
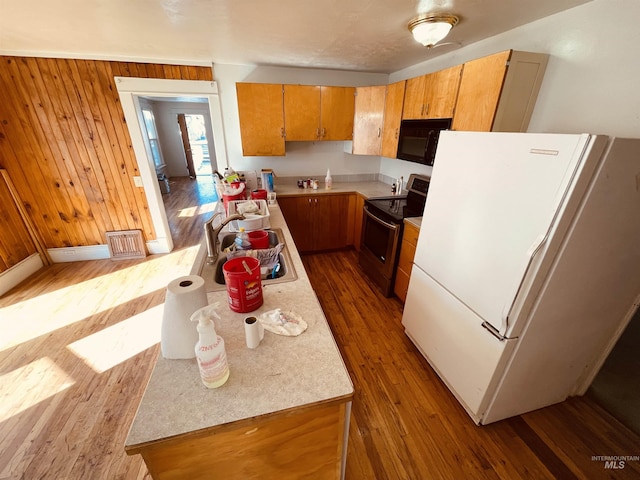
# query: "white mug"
[253,332]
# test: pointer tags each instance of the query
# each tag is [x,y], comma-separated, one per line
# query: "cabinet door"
[260,109]
[442,92]
[302,112]
[479,92]
[297,213]
[357,221]
[329,213]
[367,124]
[414,97]
[337,109]
[392,117]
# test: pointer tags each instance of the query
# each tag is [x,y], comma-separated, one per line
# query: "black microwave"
[418,139]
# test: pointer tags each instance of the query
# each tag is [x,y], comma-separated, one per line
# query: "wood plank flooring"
[407,425]
[78,342]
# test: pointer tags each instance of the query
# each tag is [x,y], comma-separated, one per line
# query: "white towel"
[289,324]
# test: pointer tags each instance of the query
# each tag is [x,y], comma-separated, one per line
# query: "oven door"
[379,250]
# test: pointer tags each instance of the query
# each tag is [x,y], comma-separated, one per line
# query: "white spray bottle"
[210,351]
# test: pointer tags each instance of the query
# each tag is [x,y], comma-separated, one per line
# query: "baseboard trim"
[101,252]
[19,272]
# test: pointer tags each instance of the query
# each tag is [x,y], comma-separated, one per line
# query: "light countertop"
[283,373]
[367,189]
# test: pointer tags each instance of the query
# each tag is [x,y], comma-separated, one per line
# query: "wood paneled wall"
[65,144]
[15,242]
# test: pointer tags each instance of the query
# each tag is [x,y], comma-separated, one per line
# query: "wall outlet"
[137,180]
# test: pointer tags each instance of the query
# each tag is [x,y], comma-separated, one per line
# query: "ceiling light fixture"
[428,29]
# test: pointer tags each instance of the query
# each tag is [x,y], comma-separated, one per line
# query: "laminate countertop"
[281,375]
[367,189]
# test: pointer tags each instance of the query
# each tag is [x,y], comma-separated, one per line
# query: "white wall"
[169,134]
[302,158]
[591,81]
[589,86]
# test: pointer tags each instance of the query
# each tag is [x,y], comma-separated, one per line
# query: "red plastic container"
[229,198]
[258,239]
[244,288]
[258,194]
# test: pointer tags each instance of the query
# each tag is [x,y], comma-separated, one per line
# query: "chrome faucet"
[212,234]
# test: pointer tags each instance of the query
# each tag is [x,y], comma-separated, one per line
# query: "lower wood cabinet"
[301,443]
[320,221]
[407,252]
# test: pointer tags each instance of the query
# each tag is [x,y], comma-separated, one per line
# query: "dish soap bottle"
[328,183]
[210,351]
[242,240]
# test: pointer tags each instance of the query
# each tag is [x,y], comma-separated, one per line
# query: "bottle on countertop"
[210,351]
[242,240]
[328,182]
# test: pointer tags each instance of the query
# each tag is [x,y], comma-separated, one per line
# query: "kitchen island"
[283,413]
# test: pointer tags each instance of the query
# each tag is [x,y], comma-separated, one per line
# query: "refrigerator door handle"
[508,308]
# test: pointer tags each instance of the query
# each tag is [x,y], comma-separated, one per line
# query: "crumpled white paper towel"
[283,323]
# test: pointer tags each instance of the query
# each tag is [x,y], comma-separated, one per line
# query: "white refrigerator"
[527,267]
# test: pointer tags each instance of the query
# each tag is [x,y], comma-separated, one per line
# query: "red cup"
[258,194]
[259,239]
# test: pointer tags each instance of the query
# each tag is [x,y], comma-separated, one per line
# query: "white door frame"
[129,89]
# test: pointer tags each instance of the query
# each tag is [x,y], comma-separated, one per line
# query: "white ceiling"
[361,35]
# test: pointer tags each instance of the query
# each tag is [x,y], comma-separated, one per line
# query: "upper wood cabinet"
[498,92]
[337,109]
[318,113]
[368,120]
[432,95]
[302,112]
[394,102]
[261,113]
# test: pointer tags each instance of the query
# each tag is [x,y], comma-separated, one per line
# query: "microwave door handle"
[381,222]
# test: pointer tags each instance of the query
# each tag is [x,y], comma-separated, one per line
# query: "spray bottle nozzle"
[206,314]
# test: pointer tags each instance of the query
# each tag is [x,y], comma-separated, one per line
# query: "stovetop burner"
[396,207]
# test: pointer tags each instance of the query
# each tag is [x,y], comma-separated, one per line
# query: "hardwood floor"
[79,340]
[407,425]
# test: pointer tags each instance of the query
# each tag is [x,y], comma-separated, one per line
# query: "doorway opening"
[193,131]
[131,90]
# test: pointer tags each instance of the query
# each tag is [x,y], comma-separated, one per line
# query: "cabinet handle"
[397,133]
[379,131]
[426,109]
[316,200]
[324,132]
[318,132]
[309,202]
[282,134]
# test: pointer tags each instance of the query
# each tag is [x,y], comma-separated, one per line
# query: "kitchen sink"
[214,277]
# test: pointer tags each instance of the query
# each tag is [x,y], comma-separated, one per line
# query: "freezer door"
[491,201]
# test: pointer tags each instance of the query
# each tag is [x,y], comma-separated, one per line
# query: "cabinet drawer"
[402,285]
[407,252]
[410,234]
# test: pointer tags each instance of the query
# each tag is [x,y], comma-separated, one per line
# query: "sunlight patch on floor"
[188,212]
[37,381]
[54,310]
[115,344]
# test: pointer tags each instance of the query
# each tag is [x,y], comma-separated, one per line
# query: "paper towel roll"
[253,331]
[179,334]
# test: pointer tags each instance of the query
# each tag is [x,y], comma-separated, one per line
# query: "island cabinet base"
[308,442]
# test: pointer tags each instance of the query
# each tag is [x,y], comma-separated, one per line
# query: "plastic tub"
[244,288]
[259,239]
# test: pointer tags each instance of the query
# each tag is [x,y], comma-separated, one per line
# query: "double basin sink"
[214,277]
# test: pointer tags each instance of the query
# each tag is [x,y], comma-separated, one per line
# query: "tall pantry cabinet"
[498,93]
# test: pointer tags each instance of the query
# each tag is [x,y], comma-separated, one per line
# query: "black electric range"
[396,207]
[382,229]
